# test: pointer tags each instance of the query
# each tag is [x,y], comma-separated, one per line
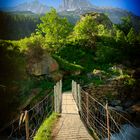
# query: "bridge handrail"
[107,121]
[28,121]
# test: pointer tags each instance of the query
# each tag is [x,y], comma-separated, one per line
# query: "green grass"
[45,130]
[67,66]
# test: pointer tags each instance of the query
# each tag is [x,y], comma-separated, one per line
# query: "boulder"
[115,103]
[119,108]
[134,110]
[136,73]
[90,75]
[56,76]
[45,66]
[128,103]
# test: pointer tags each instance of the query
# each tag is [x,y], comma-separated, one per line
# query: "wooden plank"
[107,120]
[27,125]
[87,107]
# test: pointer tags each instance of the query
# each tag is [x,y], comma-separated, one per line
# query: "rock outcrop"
[100,18]
[45,66]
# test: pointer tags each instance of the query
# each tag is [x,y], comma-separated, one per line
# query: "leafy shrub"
[105,54]
[71,53]
[12,71]
[65,65]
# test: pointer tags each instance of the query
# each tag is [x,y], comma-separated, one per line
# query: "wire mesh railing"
[100,119]
[26,124]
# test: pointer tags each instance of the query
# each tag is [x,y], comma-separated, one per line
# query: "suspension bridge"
[82,117]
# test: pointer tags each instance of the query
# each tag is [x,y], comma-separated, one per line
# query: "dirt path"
[69,126]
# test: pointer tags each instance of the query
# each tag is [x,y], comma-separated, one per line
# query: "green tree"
[86,29]
[120,36]
[131,36]
[101,30]
[126,25]
[53,27]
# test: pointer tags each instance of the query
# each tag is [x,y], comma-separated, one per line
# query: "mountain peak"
[71,5]
[36,2]
[34,6]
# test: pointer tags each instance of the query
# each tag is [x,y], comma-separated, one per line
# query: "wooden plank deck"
[70,126]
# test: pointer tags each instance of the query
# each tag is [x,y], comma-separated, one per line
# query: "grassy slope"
[44,132]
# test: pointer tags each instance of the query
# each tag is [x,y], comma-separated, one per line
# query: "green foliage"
[101,30]
[76,52]
[65,65]
[33,40]
[131,36]
[120,36]
[106,54]
[126,25]
[12,71]
[16,26]
[86,29]
[54,28]
[45,130]
[12,62]
[128,80]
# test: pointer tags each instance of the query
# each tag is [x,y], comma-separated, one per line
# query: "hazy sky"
[130,5]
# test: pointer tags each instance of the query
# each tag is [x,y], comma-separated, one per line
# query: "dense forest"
[17,25]
[92,51]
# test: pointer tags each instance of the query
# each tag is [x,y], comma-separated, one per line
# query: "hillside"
[17,25]
[114,14]
[35,6]
[20,21]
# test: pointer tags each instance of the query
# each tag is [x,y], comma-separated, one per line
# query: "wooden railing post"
[76,92]
[26,117]
[60,94]
[107,120]
[72,87]
[87,105]
[79,97]
[55,99]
